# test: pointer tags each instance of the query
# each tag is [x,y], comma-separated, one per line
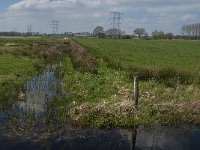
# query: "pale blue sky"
[5,3]
[84,15]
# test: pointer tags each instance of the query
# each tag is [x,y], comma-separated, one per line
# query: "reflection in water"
[168,138]
[154,138]
[40,92]
[134,138]
[3,118]
[35,101]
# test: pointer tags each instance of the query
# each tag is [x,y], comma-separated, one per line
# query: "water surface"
[16,131]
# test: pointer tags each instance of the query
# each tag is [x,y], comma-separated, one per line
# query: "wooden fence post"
[136,90]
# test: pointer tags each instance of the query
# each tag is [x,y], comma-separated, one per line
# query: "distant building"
[82,34]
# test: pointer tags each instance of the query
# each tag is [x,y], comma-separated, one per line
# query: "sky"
[85,15]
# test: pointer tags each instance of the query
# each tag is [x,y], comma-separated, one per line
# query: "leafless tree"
[191,30]
[114,32]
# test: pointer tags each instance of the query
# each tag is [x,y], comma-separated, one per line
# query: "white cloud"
[79,15]
[42,4]
[55,4]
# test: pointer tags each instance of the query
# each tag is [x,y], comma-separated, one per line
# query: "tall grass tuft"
[168,76]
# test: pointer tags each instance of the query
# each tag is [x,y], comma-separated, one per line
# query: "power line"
[55,26]
[116,22]
[29,28]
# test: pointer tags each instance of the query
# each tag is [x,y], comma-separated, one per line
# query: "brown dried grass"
[81,58]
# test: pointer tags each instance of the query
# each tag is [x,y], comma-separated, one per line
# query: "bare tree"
[183,30]
[113,32]
[191,30]
[198,30]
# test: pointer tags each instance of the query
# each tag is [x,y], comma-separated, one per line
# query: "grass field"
[162,60]
[98,78]
[104,97]
[184,55]
[12,67]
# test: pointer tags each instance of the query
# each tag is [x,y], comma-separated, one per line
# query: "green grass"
[20,59]
[165,61]
[14,68]
[104,98]
[184,55]
[98,79]
[91,88]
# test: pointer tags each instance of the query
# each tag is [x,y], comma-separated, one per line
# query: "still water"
[155,138]
[34,104]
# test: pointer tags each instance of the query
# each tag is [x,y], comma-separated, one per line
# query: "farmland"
[162,60]
[169,88]
[184,55]
[97,75]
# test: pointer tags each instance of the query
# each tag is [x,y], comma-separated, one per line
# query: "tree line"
[161,35]
[141,32]
[191,30]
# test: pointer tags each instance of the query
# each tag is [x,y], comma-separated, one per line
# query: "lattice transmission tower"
[116,22]
[29,29]
[55,27]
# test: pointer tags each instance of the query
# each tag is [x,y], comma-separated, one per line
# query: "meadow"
[98,79]
[103,96]
[184,55]
[166,61]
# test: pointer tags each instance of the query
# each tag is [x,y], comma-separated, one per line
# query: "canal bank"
[86,92]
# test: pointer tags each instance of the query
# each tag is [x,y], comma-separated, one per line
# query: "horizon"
[85,15]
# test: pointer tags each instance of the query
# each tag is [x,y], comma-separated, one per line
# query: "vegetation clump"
[81,58]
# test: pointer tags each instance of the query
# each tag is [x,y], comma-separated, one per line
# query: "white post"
[136,90]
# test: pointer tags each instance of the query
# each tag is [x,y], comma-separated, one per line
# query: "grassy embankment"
[98,78]
[21,58]
[99,83]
